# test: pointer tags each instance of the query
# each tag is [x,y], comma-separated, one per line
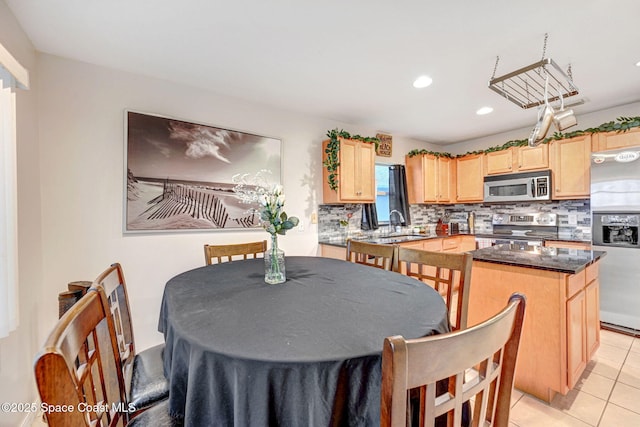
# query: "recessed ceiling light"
[484,110]
[638,64]
[422,81]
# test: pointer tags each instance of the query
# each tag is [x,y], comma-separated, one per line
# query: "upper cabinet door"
[469,178]
[614,140]
[444,180]
[498,162]
[533,158]
[366,166]
[517,159]
[570,161]
[355,175]
[429,179]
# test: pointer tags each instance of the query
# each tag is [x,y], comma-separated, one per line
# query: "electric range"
[530,229]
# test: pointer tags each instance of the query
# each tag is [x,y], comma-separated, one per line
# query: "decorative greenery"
[621,124]
[333,148]
[432,153]
[267,200]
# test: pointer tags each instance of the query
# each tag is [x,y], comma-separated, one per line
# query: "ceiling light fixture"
[484,110]
[422,82]
[638,64]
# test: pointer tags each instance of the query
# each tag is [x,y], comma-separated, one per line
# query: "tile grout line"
[614,384]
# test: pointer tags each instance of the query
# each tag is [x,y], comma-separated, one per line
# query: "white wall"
[17,351]
[81,109]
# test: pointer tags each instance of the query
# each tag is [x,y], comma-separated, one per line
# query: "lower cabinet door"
[592,295]
[576,337]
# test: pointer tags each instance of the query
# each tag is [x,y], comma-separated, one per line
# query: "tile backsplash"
[574,216]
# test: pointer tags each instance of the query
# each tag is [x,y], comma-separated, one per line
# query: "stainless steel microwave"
[518,187]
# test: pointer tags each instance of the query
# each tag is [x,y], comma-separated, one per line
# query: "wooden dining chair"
[371,254]
[143,372]
[79,368]
[226,253]
[488,350]
[447,273]
[66,299]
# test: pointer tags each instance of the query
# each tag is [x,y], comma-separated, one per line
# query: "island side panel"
[541,369]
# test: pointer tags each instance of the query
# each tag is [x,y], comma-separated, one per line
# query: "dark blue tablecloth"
[240,352]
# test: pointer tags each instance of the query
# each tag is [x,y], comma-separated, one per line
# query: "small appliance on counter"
[458,222]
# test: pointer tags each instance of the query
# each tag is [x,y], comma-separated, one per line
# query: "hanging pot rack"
[525,87]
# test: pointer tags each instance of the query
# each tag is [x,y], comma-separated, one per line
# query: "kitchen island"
[561,330]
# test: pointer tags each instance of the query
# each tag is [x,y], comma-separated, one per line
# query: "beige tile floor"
[607,394]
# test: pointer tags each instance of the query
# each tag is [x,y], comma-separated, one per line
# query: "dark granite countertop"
[560,237]
[392,239]
[562,260]
[395,239]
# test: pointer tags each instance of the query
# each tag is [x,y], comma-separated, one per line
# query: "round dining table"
[306,352]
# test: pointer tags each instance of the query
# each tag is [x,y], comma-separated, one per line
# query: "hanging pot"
[545,117]
[564,119]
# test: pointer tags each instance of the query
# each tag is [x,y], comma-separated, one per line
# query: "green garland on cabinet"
[333,148]
[621,124]
[417,152]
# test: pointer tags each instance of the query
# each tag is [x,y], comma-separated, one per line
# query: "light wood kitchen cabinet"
[570,161]
[336,252]
[576,337]
[561,327]
[517,159]
[583,324]
[469,178]
[498,162]
[355,174]
[429,179]
[604,141]
[592,297]
[458,244]
[532,158]
[413,244]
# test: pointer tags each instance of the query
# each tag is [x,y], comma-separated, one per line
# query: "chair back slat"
[227,253]
[371,254]
[478,362]
[448,273]
[114,286]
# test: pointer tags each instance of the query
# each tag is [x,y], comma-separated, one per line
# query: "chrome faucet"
[400,217]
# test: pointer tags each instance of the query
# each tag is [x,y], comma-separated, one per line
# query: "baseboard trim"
[620,329]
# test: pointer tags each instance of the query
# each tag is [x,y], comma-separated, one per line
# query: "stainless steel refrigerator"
[615,222]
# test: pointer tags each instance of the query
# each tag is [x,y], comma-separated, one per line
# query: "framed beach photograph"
[180,175]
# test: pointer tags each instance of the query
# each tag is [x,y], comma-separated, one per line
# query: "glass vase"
[274,271]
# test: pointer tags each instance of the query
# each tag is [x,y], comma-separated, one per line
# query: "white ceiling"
[354,61]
